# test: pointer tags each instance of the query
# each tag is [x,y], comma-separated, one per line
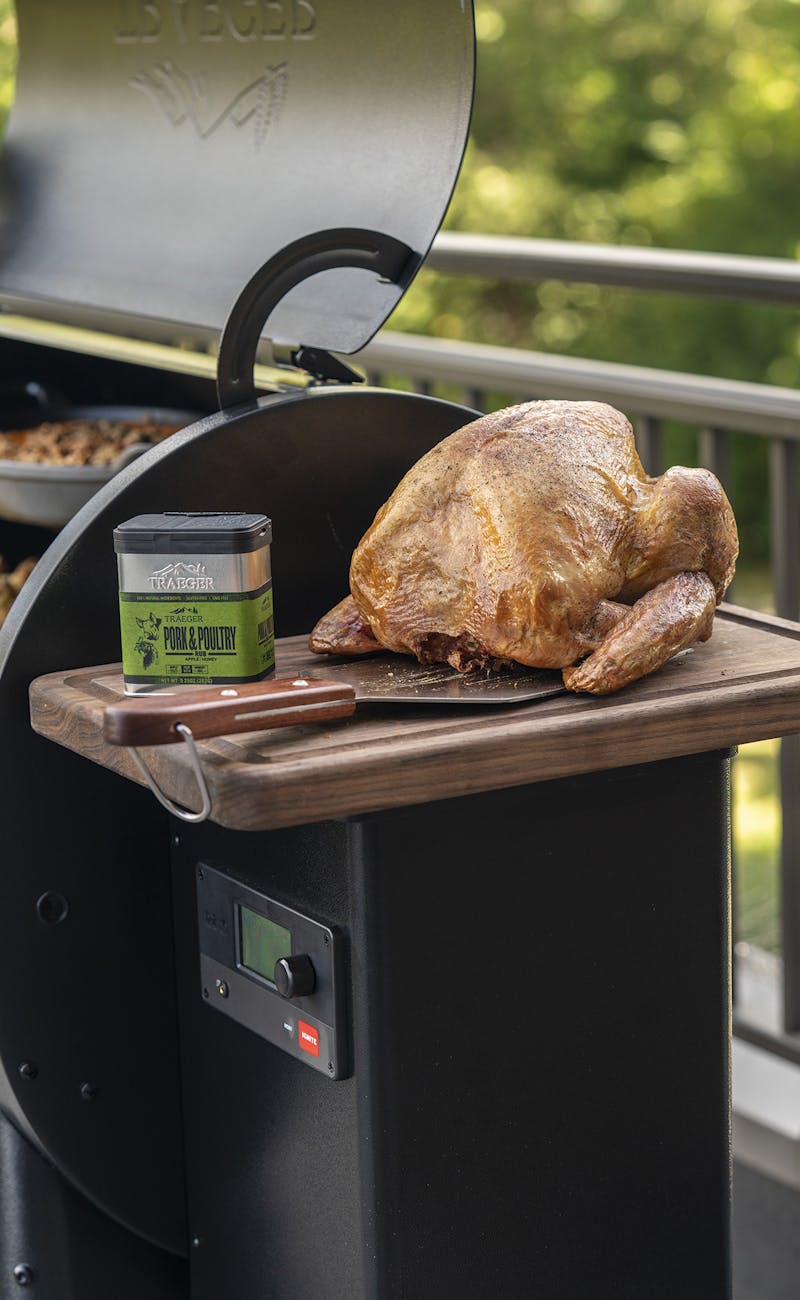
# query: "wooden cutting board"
[742,685]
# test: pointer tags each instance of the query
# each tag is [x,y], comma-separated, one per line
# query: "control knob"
[294,976]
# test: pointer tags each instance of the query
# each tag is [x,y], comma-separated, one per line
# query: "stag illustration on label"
[147,645]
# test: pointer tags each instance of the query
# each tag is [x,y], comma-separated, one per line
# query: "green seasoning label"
[193,639]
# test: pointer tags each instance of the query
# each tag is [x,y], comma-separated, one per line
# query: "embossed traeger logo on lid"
[181,577]
[184,98]
[145,22]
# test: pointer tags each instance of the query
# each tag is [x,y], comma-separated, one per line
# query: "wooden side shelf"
[742,685]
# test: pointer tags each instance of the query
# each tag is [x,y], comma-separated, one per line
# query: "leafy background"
[670,123]
[7,58]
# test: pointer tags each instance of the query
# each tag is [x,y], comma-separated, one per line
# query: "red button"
[308,1038]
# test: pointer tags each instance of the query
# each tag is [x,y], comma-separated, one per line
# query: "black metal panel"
[56,1246]
[93,999]
[160,151]
[88,1032]
[546,1022]
[273,1159]
[540,1100]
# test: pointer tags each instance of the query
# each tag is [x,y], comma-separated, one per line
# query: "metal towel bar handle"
[185,814]
[218,711]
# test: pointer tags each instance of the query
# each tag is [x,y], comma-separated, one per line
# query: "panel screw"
[199,873]
[51,907]
[176,839]
[28,1070]
[88,1092]
[197,1241]
[23,1274]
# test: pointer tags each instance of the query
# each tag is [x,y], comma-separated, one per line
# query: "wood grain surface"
[742,685]
[226,710]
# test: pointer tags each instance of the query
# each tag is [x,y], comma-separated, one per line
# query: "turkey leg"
[343,631]
[668,618]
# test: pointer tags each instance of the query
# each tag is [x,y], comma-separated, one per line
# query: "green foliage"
[8,47]
[636,121]
[663,122]
[670,123]
[757,833]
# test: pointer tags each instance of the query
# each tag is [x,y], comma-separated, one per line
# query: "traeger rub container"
[195,599]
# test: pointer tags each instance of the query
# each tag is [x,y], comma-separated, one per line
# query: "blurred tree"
[8,32]
[671,123]
[663,122]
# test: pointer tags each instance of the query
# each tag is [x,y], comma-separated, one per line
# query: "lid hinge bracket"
[324,365]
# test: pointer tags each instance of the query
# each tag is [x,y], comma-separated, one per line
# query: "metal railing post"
[713,452]
[649,441]
[785,517]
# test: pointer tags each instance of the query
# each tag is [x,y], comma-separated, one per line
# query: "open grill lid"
[161,151]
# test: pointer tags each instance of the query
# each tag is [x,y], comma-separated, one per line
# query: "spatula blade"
[399,679]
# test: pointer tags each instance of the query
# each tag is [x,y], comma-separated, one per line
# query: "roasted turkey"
[533,536]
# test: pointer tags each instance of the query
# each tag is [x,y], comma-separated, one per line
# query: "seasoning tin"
[195,599]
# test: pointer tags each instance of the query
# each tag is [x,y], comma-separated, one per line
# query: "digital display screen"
[262,943]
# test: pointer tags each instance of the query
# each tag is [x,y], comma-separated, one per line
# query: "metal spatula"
[399,679]
[284,702]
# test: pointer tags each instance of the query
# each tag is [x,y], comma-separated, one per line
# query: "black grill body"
[519,1113]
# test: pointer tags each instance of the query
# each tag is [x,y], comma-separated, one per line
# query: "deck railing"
[716,408]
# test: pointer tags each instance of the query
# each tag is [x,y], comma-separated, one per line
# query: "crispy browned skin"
[530,536]
[667,619]
[344,631]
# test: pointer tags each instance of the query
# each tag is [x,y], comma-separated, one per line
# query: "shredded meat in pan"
[79,442]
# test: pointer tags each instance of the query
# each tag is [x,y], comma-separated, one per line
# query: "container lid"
[176,533]
[158,154]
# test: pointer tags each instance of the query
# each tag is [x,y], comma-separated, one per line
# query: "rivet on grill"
[51,907]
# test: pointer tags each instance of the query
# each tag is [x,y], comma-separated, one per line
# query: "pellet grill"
[511,1077]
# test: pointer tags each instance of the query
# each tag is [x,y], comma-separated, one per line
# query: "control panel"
[272,969]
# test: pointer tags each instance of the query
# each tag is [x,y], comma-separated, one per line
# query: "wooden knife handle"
[223,710]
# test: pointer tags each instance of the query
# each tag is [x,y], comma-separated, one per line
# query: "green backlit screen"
[263,943]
